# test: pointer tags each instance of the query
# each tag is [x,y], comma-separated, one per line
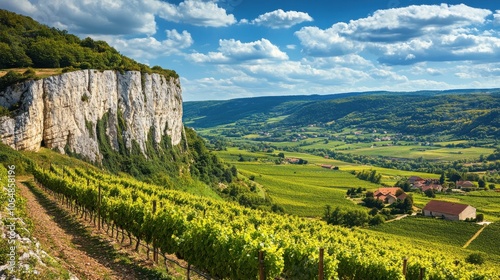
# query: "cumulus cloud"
[150,47]
[329,42]
[496,17]
[408,35]
[119,17]
[281,19]
[20,6]
[196,12]
[231,51]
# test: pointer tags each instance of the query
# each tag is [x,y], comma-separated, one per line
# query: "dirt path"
[474,236]
[78,250]
[398,218]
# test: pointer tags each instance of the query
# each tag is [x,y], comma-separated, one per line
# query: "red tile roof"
[386,191]
[445,207]
[402,196]
[465,184]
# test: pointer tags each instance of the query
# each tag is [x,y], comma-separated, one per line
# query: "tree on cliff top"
[27,43]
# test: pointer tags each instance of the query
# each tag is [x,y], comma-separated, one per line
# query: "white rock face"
[62,112]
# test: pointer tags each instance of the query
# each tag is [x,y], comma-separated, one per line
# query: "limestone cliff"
[62,112]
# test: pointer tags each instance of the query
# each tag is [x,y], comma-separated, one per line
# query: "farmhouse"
[414,179]
[328,166]
[464,185]
[434,187]
[449,210]
[390,195]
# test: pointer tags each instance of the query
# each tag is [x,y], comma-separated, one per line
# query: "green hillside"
[474,115]
[470,113]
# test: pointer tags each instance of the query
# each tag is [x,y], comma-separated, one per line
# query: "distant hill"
[473,112]
[213,113]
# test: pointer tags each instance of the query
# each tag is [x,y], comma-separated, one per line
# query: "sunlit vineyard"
[224,239]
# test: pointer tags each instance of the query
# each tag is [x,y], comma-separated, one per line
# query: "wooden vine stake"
[155,250]
[422,273]
[99,209]
[405,265]
[321,273]
[262,274]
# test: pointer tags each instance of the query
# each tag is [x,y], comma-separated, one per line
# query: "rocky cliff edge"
[68,112]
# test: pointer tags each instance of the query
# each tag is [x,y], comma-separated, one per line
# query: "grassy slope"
[304,190]
[448,236]
[414,152]
[40,72]
[45,157]
[488,240]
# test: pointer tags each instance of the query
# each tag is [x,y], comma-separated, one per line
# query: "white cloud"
[20,6]
[196,12]
[396,25]
[291,47]
[119,17]
[150,47]
[110,17]
[234,51]
[281,19]
[409,35]
[329,42]
[496,17]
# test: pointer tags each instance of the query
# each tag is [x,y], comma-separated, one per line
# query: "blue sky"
[226,49]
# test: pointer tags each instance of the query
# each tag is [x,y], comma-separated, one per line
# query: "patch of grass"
[455,233]
[429,153]
[40,72]
[488,240]
[302,190]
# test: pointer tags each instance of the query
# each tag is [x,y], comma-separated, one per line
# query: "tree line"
[27,43]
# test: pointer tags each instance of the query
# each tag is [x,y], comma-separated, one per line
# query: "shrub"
[9,79]
[430,193]
[4,111]
[377,220]
[475,258]
[85,97]
[479,217]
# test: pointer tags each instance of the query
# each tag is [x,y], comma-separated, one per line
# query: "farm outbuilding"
[449,210]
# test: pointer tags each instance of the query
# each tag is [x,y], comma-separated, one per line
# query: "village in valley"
[391,196]
[398,198]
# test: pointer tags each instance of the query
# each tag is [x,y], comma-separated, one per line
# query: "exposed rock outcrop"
[62,112]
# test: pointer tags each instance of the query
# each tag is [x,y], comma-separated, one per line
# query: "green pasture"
[389,176]
[455,142]
[488,241]
[455,233]
[444,237]
[429,153]
[304,190]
